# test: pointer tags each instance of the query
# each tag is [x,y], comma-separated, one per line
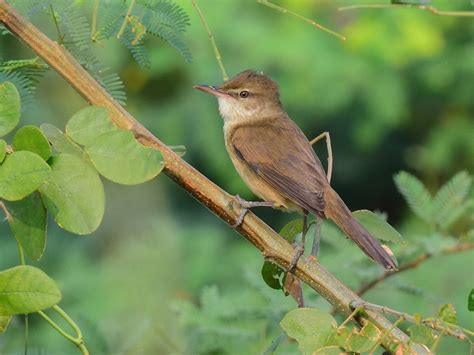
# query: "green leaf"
[74,194]
[9,108]
[310,327]
[120,158]
[3,150]
[450,198]
[422,335]
[4,321]
[28,223]
[328,350]
[31,138]
[26,289]
[377,226]
[447,312]
[364,340]
[470,301]
[88,124]
[20,174]
[271,274]
[291,230]
[60,142]
[417,196]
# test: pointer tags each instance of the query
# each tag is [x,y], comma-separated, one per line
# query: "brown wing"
[281,155]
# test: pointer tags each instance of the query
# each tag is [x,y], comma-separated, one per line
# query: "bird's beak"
[212,90]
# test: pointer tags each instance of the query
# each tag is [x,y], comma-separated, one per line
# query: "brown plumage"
[276,160]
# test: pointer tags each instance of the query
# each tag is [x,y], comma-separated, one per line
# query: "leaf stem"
[305,19]
[78,340]
[430,9]
[217,53]
[125,20]
[56,24]
[95,11]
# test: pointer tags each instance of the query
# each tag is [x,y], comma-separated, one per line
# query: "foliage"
[36,180]
[397,96]
[163,19]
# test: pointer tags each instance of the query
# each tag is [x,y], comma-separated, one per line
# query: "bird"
[276,161]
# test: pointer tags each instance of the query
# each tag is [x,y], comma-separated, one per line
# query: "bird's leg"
[317,237]
[246,205]
[329,148]
[317,229]
[299,248]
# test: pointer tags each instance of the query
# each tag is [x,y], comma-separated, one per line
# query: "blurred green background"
[397,95]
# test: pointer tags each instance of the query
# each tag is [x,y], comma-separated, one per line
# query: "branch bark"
[411,265]
[223,205]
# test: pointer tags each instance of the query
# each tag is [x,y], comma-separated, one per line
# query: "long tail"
[337,210]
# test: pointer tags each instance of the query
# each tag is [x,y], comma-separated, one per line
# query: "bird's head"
[249,95]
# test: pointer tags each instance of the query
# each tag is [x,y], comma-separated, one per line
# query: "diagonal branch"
[411,265]
[223,205]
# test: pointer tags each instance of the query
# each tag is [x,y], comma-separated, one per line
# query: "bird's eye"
[243,94]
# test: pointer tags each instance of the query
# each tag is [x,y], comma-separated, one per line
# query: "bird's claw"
[240,220]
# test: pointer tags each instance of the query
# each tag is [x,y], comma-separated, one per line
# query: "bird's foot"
[240,220]
[246,206]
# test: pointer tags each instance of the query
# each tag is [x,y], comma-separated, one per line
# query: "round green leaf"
[88,124]
[292,229]
[271,274]
[26,289]
[310,327]
[20,174]
[74,194]
[377,226]
[60,142]
[9,108]
[32,139]
[28,223]
[120,158]
[3,150]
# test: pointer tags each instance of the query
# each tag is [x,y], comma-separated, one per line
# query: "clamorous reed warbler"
[276,160]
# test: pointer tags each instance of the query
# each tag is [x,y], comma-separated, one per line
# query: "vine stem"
[125,20]
[217,53]
[430,9]
[223,205]
[78,340]
[305,19]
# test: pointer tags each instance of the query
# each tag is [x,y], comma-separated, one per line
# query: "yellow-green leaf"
[31,138]
[26,289]
[74,194]
[120,158]
[310,327]
[88,124]
[20,174]
[9,108]
[377,226]
[28,223]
